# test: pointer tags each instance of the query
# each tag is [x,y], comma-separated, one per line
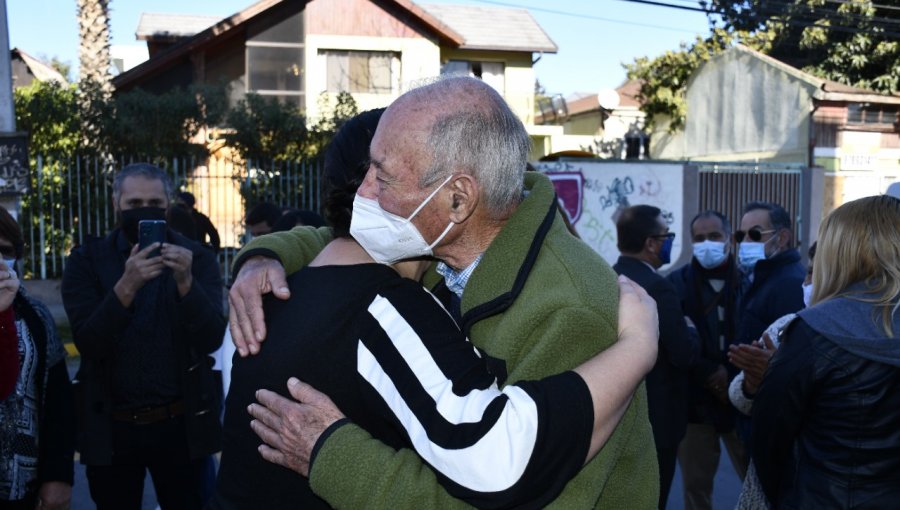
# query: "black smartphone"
[149,232]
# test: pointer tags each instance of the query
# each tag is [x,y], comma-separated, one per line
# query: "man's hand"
[290,429]
[753,359]
[9,286]
[179,259]
[139,269]
[258,276]
[54,496]
[717,384]
[638,319]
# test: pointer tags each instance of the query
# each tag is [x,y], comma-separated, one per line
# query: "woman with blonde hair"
[826,419]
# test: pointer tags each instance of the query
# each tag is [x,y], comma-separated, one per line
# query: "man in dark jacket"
[772,276]
[144,324]
[772,271]
[645,244]
[708,287]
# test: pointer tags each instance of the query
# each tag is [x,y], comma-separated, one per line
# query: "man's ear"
[649,245]
[464,193]
[784,238]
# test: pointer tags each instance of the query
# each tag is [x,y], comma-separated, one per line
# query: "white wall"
[594,192]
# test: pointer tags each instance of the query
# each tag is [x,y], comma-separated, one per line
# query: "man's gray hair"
[487,141]
[145,170]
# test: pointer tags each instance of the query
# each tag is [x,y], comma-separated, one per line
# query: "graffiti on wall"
[594,194]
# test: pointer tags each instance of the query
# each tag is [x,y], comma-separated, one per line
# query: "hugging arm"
[557,422]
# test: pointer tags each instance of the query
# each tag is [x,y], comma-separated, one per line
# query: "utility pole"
[7,110]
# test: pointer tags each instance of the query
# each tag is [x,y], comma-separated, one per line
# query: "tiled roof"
[154,25]
[493,28]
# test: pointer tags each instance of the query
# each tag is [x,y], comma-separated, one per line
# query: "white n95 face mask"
[387,237]
[710,254]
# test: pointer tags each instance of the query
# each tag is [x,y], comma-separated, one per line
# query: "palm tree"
[95,86]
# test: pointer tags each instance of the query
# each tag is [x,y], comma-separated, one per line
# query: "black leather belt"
[148,415]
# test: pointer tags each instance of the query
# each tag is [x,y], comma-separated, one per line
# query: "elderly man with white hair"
[447,179]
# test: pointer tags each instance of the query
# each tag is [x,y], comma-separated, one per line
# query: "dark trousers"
[666,458]
[160,448]
[22,504]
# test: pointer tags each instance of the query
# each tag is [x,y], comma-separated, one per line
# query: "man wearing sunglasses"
[772,271]
[645,244]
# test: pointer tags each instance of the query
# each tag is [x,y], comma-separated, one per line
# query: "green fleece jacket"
[542,301]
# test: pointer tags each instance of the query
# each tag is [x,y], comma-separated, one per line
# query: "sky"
[594,37]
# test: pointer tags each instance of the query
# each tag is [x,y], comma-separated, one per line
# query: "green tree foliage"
[263,128]
[152,126]
[48,112]
[266,129]
[855,42]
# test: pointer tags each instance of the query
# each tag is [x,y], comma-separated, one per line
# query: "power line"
[877,6]
[789,21]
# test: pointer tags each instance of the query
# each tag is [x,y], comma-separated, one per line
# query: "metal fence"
[71,200]
[728,187]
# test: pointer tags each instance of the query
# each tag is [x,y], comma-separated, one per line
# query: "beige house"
[598,122]
[746,106]
[301,52]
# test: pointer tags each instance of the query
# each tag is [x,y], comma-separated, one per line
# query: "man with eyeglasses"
[645,244]
[772,271]
[708,287]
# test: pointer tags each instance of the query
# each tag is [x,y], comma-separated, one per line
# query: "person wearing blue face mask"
[645,244]
[772,271]
[708,287]
[772,278]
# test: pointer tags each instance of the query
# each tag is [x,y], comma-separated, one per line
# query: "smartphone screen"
[149,232]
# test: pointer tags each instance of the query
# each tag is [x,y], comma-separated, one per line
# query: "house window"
[365,72]
[869,114]
[275,66]
[489,72]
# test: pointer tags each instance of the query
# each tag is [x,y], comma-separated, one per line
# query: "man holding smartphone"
[144,324]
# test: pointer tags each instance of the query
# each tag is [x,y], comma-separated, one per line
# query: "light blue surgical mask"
[710,254]
[11,264]
[749,253]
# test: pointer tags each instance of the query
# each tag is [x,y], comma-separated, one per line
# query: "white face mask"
[807,294]
[387,237]
[750,253]
[710,254]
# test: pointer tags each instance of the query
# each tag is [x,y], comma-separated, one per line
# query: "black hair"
[635,225]
[346,163]
[294,217]
[263,212]
[709,213]
[188,199]
[181,220]
[11,231]
[778,217]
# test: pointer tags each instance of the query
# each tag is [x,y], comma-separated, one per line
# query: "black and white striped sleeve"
[491,447]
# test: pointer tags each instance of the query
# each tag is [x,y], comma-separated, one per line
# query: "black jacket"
[667,383]
[826,425]
[98,320]
[701,303]
[776,290]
